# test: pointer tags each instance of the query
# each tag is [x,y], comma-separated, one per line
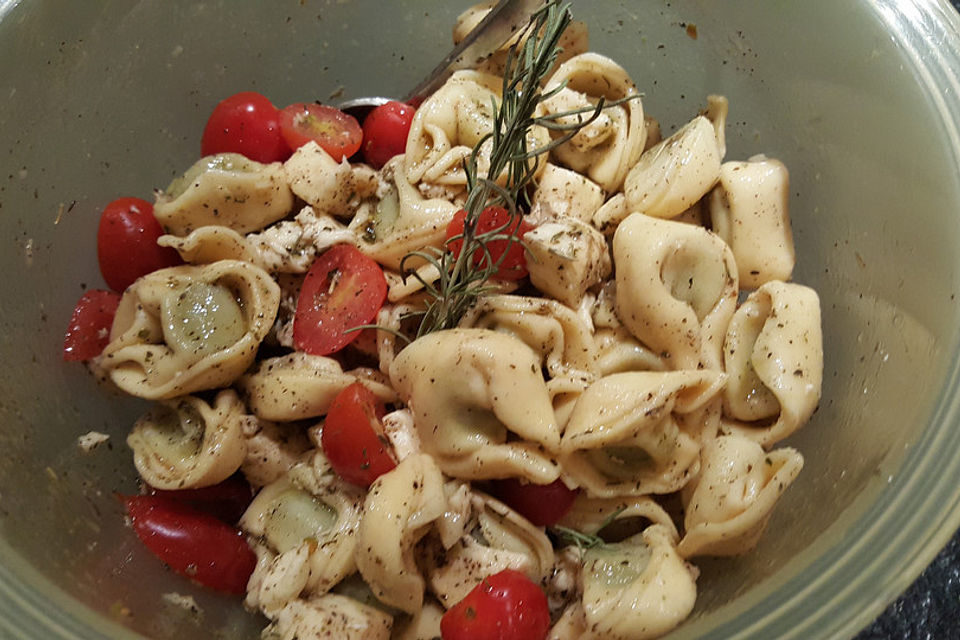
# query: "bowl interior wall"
[109,98]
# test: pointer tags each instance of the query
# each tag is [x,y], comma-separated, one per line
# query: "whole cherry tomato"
[338,133]
[127,243]
[541,504]
[514,265]
[194,544]
[89,329]
[352,436]
[225,500]
[385,132]
[245,123]
[343,289]
[505,606]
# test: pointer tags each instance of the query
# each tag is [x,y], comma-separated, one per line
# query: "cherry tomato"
[225,501]
[89,329]
[505,606]
[385,132]
[514,265]
[337,132]
[352,436]
[245,123]
[127,243]
[343,289]
[541,504]
[192,543]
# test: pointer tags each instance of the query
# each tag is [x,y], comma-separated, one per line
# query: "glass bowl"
[108,98]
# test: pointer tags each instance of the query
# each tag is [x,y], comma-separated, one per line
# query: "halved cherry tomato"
[225,500]
[192,543]
[352,436]
[245,123]
[541,504]
[127,243]
[89,329]
[337,132]
[385,132]
[514,265]
[505,606]
[343,289]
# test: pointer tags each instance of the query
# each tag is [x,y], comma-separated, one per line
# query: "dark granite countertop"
[930,608]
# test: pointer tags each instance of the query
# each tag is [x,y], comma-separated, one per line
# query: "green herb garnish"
[586,540]
[528,62]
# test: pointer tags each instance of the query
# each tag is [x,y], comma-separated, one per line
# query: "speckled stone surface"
[930,609]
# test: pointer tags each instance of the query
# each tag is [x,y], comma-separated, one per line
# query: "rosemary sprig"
[463,277]
[587,540]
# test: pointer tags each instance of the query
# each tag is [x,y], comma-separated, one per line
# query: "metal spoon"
[498,26]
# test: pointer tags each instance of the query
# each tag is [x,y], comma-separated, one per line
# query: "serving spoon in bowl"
[505,19]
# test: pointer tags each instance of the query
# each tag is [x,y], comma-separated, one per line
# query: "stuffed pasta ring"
[187,443]
[187,329]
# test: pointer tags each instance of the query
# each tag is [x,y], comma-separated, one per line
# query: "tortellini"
[450,122]
[732,498]
[401,221]
[627,433]
[298,386]
[561,337]
[187,443]
[225,190]
[606,148]
[636,589]
[205,245]
[676,289]
[309,525]
[774,358]
[676,173]
[503,540]
[399,507]
[556,332]
[186,329]
[469,389]
[749,210]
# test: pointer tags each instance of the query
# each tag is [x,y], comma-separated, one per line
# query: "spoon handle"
[504,20]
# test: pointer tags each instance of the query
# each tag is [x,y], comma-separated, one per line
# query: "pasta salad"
[499,365]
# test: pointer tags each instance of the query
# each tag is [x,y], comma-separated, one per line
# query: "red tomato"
[245,123]
[343,289]
[541,504]
[127,243]
[505,606]
[385,132]
[337,132]
[514,265]
[352,436]
[89,329]
[225,501]
[192,543]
